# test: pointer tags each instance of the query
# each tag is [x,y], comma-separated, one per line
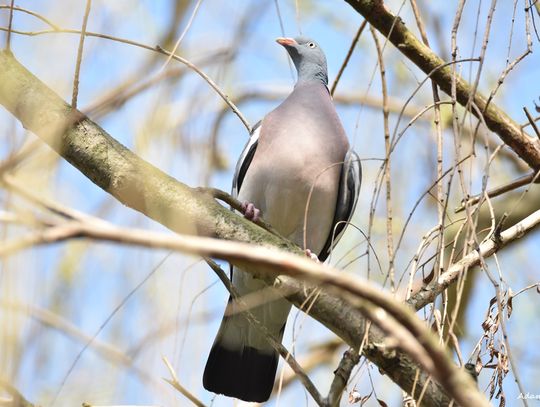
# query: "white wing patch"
[245,159]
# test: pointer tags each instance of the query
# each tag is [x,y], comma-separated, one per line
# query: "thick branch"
[496,119]
[113,167]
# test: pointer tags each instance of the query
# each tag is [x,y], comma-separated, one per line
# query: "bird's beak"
[286,42]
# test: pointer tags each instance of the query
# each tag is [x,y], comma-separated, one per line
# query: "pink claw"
[250,211]
[312,255]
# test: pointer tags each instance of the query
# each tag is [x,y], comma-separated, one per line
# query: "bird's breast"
[294,175]
[296,190]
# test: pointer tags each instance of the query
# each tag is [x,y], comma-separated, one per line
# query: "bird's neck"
[311,74]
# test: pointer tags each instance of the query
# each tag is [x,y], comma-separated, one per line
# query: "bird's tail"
[242,364]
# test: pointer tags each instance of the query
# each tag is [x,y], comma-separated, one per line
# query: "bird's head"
[308,58]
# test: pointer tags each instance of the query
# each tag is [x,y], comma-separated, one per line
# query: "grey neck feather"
[310,72]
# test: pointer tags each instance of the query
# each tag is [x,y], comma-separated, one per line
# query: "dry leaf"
[354,397]
[509,305]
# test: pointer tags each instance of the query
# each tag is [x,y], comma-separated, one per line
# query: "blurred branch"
[387,163]
[65,327]
[56,322]
[169,328]
[183,34]
[176,384]
[156,48]
[16,158]
[16,399]
[118,96]
[179,11]
[143,187]
[393,27]
[274,93]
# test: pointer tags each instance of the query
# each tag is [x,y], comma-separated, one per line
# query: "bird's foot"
[312,255]
[250,212]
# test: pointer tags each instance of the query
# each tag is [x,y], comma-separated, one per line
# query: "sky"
[169,126]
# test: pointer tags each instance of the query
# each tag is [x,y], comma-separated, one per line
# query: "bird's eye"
[311,45]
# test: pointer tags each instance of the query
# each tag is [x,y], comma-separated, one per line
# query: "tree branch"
[113,167]
[16,398]
[341,376]
[488,247]
[355,296]
[392,27]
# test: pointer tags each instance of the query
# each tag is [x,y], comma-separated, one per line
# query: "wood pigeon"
[299,149]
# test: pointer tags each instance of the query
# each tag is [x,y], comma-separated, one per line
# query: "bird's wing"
[243,164]
[348,192]
[245,159]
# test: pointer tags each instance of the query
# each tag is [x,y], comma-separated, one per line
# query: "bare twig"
[317,356]
[10,23]
[438,129]
[531,121]
[186,29]
[79,55]
[521,181]
[31,13]
[387,163]
[157,48]
[440,202]
[347,57]
[502,320]
[236,205]
[341,376]
[176,384]
[396,137]
[486,249]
